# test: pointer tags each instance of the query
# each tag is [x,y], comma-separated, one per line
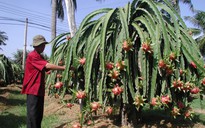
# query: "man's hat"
[38,40]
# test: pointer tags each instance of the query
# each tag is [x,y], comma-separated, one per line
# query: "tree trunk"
[124,116]
[130,117]
[70,10]
[53,19]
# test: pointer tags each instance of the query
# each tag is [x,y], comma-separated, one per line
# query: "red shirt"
[34,75]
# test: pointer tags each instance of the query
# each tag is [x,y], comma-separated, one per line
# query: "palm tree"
[57,11]
[71,6]
[57,7]
[175,4]
[198,20]
[3,38]
[18,56]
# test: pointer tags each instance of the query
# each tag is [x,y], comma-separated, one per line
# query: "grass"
[15,114]
[200,105]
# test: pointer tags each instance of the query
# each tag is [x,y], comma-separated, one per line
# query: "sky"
[14,13]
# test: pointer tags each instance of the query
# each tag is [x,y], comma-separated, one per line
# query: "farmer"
[34,82]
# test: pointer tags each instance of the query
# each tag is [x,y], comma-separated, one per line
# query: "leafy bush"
[9,71]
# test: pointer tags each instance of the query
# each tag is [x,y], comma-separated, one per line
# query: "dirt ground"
[69,116]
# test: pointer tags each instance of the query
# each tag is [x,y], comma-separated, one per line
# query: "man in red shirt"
[34,82]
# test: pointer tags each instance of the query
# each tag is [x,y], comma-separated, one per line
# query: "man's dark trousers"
[35,105]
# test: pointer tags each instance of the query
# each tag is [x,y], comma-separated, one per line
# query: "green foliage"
[9,72]
[198,20]
[201,44]
[140,36]
[3,38]
[6,74]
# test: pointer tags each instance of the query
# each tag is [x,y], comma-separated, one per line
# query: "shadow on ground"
[15,121]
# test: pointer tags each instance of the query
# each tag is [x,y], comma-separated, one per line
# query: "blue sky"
[14,12]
